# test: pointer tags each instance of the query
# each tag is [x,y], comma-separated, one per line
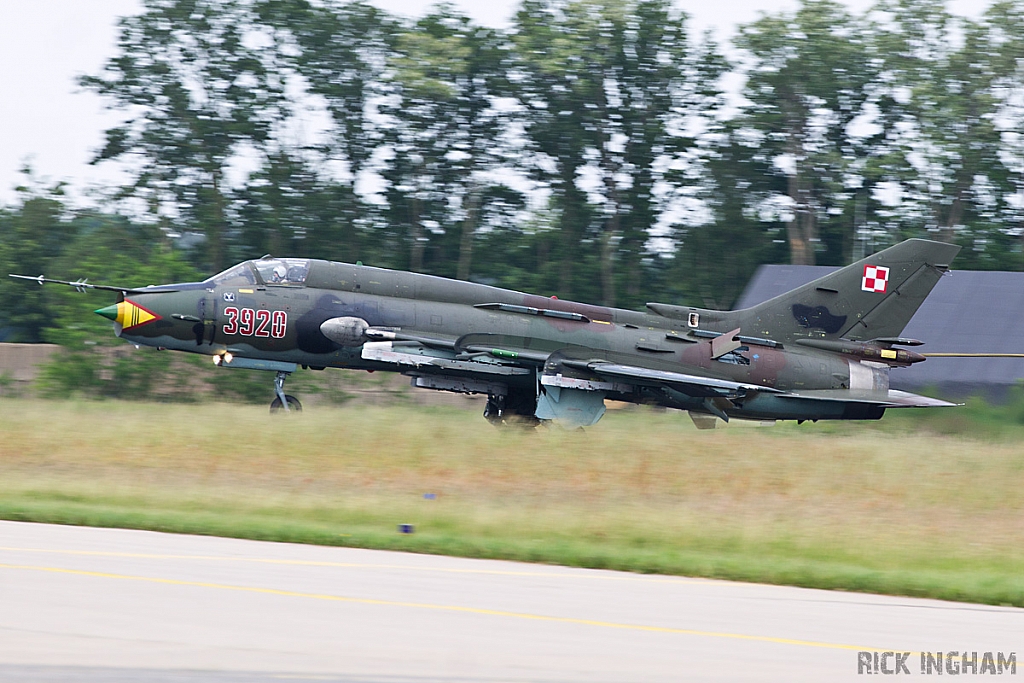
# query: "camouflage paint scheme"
[822,351]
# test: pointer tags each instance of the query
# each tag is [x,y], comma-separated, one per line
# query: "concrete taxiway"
[81,604]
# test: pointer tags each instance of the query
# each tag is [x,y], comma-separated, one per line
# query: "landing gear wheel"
[283,402]
[293,404]
[494,409]
[511,411]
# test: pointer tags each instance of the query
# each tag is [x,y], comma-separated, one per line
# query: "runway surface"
[89,605]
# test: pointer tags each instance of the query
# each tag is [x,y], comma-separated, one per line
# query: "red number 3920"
[256,323]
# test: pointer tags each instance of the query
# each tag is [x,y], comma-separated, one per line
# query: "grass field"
[893,507]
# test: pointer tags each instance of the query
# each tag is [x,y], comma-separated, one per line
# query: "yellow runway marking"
[352,565]
[450,608]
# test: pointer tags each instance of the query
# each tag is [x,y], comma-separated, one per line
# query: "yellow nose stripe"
[130,315]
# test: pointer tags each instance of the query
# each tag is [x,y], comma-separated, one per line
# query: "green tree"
[1004,23]
[335,55]
[281,210]
[603,81]
[108,250]
[952,103]
[806,86]
[199,92]
[447,138]
[32,236]
[715,258]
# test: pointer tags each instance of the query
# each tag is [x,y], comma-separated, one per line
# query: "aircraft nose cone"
[128,314]
[110,312]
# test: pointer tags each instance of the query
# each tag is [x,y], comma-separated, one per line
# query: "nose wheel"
[292,404]
[283,401]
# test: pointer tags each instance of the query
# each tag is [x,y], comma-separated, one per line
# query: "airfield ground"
[913,505]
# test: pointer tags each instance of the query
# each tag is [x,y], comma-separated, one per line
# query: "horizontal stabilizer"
[886,399]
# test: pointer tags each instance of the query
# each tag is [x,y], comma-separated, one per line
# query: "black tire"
[293,405]
[494,409]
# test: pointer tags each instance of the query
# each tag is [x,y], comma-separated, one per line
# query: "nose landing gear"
[283,401]
[226,359]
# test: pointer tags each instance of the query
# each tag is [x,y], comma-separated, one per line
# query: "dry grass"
[859,507]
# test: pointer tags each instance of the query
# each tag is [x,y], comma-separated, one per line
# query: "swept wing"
[692,385]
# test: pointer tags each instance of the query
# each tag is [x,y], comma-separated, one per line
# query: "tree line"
[595,149]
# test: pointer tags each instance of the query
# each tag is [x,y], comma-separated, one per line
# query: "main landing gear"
[494,409]
[283,401]
[515,409]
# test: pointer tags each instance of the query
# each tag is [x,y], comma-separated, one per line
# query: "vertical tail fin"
[873,298]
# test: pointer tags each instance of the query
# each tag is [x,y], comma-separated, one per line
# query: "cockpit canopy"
[282,271]
[242,275]
[269,271]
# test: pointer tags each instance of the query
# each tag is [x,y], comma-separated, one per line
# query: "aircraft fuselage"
[281,322]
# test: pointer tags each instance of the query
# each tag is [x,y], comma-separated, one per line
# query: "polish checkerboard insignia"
[876,279]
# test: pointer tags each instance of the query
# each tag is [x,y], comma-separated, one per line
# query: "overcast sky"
[46,121]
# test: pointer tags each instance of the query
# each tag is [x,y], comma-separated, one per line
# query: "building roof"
[967,312]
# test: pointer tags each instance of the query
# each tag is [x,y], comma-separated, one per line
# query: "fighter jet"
[819,352]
